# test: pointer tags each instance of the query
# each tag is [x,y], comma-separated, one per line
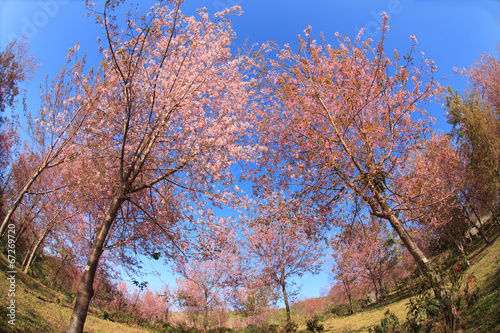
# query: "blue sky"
[453,33]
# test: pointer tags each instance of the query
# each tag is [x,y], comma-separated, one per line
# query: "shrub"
[313,324]
[439,303]
[290,327]
[389,324]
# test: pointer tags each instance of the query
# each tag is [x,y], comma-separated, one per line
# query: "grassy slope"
[482,317]
[37,309]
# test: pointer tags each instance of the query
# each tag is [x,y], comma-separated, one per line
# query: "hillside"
[41,309]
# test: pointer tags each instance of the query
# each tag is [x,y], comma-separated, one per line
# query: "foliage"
[442,297]
[290,327]
[17,64]
[280,243]
[340,125]
[271,328]
[388,324]
[313,324]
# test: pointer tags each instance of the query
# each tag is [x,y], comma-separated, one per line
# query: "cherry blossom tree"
[253,297]
[52,131]
[341,122]
[171,115]
[367,248]
[152,306]
[280,239]
[345,267]
[210,277]
[435,193]
[17,65]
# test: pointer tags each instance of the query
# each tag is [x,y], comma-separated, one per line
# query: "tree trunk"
[287,306]
[19,198]
[381,288]
[205,317]
[479,225]
[388,214]
[459,245]
[85,288]
[377,296]
[35,249]
[63,263]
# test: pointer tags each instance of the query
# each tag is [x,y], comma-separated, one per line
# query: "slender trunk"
[479,225]
[287,306]
[63,263]
[422,261]
[205,317]
[27,255]
[19,198]
[85,288]
[388,214]
[459,245]
[377,298]
[381,288]
[35,249]
[349,296]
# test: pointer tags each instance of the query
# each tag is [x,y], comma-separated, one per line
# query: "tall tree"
[53,130]
[345,269]
[475,117]
[212,272]
[171,116]
[17,65]
[341,122]
[435,193]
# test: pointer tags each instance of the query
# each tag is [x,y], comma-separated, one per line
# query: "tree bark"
[388,214]
[349,296]
[287,305]
[205,317]
[20,196]
[35,249]
[479,225]
[85,288]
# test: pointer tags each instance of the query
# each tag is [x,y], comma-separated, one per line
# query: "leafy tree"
[475,117]
[17,65]
[209,278]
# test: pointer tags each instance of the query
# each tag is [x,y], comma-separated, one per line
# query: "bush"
[266,328]
[439,304]
[290,327]
[219,330]
[389,324]
[313,324]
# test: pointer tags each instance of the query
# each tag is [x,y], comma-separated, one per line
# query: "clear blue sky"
[451,32]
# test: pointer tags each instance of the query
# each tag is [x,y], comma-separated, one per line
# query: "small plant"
[290,327]
[104,315]
[389,324]
[441,299]
[313,324]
